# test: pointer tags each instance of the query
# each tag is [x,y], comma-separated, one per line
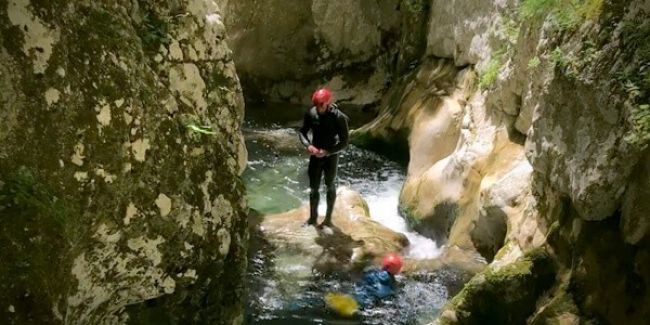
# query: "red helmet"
[321,97]
[392,263]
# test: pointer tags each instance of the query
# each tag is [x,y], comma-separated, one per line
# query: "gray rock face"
[462,29]
[120,157]
[284,49]
[576,141]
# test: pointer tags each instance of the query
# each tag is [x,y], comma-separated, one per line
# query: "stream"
[276,181]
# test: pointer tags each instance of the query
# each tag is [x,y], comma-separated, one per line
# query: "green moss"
[407,213]
[415,6]
[37,230]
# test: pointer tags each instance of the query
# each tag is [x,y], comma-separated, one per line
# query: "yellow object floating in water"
[342,304]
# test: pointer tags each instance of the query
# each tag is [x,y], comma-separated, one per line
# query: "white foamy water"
[382,197]
[384,209]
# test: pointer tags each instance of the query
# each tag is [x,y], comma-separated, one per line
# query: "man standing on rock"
[329,128]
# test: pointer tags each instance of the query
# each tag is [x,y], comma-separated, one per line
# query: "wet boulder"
[352,242]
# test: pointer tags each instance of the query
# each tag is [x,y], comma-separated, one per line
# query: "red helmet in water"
[321,97]
[392,263]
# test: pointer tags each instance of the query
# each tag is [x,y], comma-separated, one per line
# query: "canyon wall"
[120,156]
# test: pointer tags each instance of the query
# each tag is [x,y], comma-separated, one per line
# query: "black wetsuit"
[329,132]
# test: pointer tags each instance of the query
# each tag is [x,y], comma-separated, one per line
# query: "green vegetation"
[639,118]
[489,75]
[566,14]
[37,232]
[154,30]
[567,63]
[504,296]
[22,194]
[534,63]
[511,30]
[558,58]
[506,34]
[635,78]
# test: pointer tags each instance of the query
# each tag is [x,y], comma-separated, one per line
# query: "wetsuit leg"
[315,172]
[330,169]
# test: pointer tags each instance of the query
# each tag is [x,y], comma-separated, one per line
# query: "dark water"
[282,290]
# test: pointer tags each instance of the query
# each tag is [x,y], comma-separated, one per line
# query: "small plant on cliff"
[635,78]
[154,31]
[534,63]
[511,30]
[489,75]
[567,63]
[640,120]
[639,117]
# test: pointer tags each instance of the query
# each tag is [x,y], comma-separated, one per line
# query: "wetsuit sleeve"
[343,132]
[302,132]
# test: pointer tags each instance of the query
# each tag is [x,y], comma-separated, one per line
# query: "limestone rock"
[420,99]
[550,141]
[120,158]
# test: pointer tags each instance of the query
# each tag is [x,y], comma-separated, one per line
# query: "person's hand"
[322,153]
[313,150]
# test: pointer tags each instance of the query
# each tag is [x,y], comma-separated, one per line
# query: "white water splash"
[383,201]
[384,209]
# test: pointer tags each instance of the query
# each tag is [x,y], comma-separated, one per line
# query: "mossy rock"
[503,296]
[394,147]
